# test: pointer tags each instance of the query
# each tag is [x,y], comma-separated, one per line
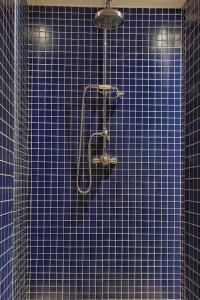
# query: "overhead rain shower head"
[108,18]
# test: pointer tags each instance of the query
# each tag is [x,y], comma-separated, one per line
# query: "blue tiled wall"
[12,141]
[6,145]
[20,207]
[192,150]
[123,240]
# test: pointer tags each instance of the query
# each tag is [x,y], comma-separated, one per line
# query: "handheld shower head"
[108,18]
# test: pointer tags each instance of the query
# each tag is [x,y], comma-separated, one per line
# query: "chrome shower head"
[108,18]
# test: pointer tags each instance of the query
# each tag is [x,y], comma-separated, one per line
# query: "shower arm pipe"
[108,3]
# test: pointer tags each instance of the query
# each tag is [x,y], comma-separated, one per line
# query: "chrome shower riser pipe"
[104,56]
[104,82]
[108,3]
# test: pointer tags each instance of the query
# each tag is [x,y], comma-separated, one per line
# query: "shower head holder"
[105,88]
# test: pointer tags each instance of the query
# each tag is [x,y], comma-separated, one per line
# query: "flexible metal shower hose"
[86,191]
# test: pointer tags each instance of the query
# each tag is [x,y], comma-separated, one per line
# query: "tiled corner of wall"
[12,155]
[20,205]
[192,149]
[6,145]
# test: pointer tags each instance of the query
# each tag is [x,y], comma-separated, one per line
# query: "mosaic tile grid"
[20,205]
[123,241]
[6,145]
[12,123]
[192,153]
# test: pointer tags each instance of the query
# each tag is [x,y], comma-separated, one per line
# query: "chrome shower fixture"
[109,88]
[102,88]
[104,159]
[108,18]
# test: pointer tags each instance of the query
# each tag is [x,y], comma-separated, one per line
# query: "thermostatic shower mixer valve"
[106,19]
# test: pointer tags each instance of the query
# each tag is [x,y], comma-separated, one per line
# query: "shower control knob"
[108,160]
[113,160]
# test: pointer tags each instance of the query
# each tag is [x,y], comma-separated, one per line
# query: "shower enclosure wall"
[123,239]
[13,149]
[192,150]
[6,147]
[129,238]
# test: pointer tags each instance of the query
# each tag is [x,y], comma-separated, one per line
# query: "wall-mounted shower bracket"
[104,133]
